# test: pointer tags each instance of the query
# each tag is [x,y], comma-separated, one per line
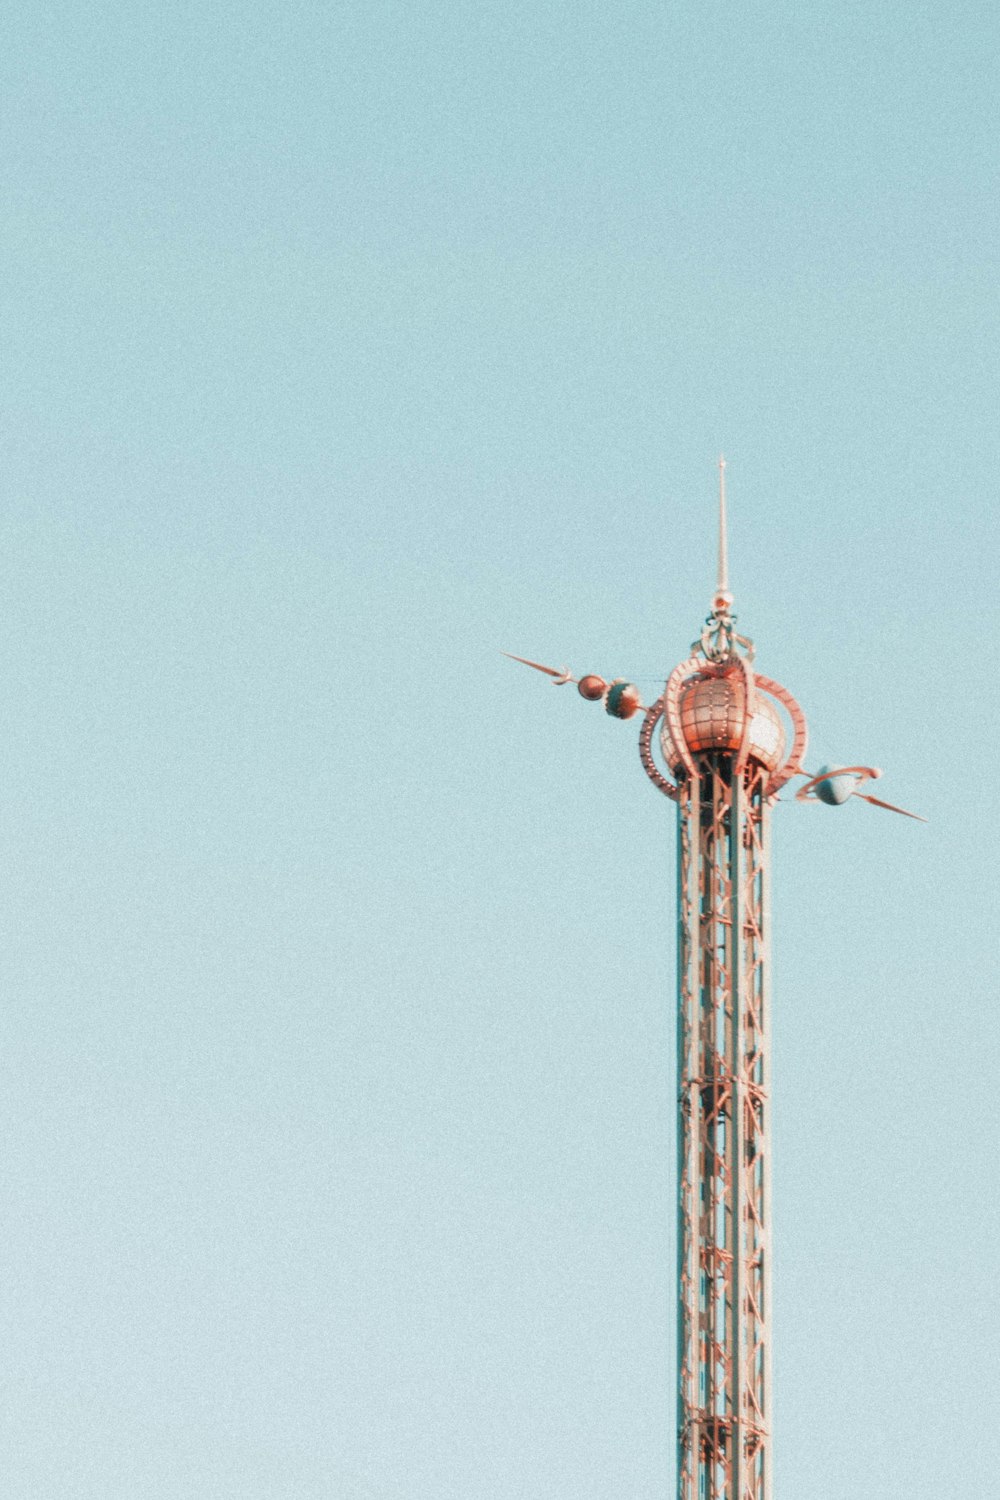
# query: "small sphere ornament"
[623,700]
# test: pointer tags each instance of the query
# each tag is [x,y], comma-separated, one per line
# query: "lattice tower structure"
[724,741]
[728,739]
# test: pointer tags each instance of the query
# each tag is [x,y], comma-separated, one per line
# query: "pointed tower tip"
[723,598]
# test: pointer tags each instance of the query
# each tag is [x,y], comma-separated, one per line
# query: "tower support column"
[723,1250]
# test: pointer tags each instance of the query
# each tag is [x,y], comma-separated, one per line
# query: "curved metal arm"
[750,708]
[793,765]
[652,770]
[671,701]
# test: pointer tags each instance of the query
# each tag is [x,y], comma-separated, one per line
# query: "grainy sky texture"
[345,344]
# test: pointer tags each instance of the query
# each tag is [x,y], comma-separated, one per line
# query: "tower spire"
[722,584]
[719,640]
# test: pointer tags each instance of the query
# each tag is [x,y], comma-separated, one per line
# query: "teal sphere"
[834,790]
[623,700]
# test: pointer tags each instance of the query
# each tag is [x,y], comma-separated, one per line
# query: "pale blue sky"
[345,345]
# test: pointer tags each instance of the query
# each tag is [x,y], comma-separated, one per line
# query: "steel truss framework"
[722,740]
[724,1254]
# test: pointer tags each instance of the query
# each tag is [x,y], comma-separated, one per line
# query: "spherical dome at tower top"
[715,704]
[714,717]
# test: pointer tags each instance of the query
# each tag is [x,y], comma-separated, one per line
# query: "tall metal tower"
[729,740]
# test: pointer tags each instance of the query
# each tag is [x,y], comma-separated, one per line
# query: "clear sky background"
[344,345]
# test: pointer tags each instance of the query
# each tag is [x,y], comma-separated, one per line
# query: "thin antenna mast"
[722,586]
[719,639]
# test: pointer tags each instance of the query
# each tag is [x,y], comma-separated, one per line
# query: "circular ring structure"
[672,733]
[793,765]
[861,774]
[652,717]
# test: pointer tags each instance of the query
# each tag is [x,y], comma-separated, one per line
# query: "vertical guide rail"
[724,1184]
[754,1063]
[766,1474]
[738,931]
[688,1142]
